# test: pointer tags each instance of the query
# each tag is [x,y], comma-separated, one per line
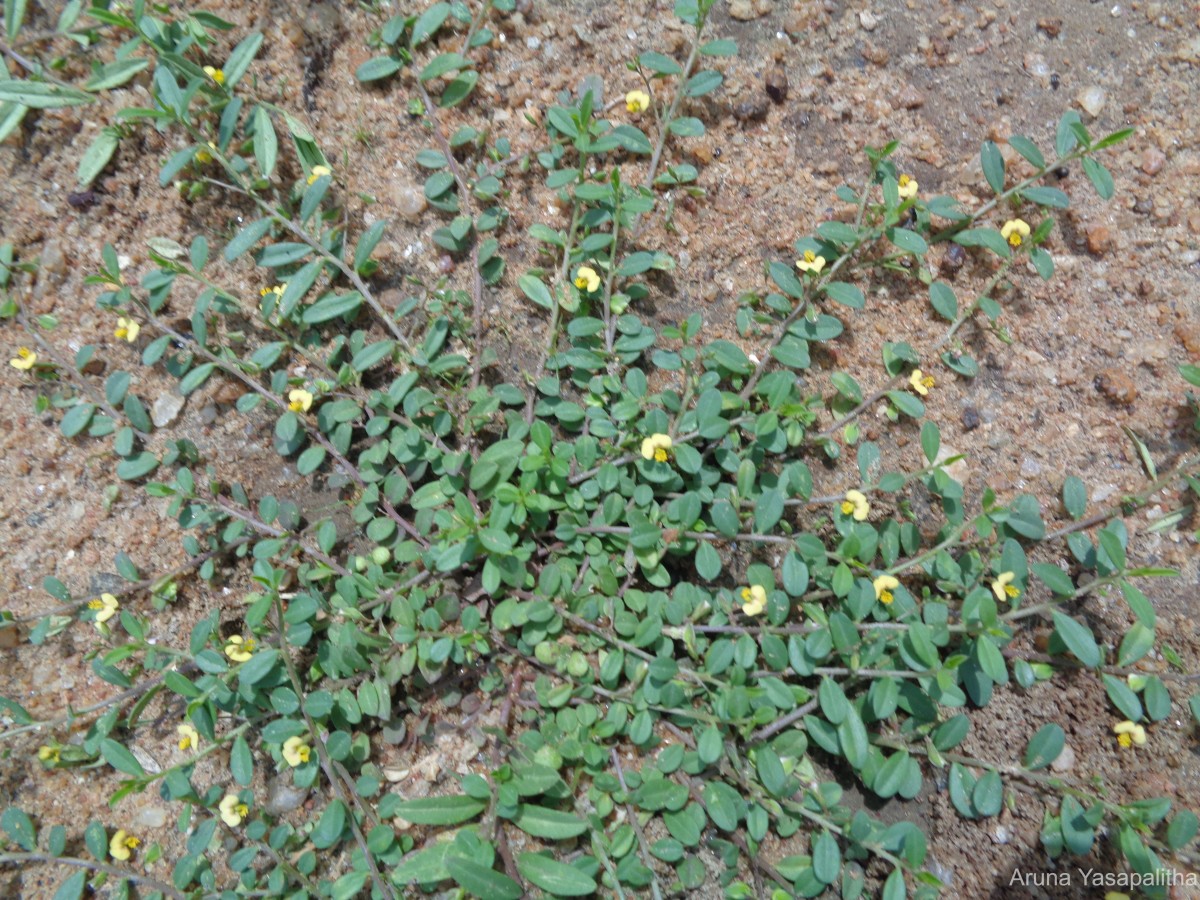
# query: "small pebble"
[954,258]
[776,83]
[1091,100]
[1036,65]
[1153,161]
[283,796]
[152,817]
[1099,239]
[1030,467]
[1051,26]
[1065,760]
[750,110]
[165,409]
[910,98]
[970,418]
[410,200]
[868,20]
[1116,386]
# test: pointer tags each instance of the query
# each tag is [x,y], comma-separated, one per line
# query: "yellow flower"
[25,359]
[811,263]
[856,505]
[1015,231]
[215,74]
[106,607]
[295,751]
[121,844]
[1004,589]
[188,736]
[908,187]
[277,290]
[204,156]
[920,382]
[239,650]
[232,810]
[1129,733]
[656,446]
[318,171]
[127,329]
[586,279]
[754,600]
[884,585]
[637,101]
[299,400]
[48,754]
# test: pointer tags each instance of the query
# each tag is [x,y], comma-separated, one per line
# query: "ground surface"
[1094,351]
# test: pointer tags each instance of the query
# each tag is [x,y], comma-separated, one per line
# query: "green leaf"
[1047,196]
[908,240]
[719,48]
[1044,747]
[990,238]
[378,68]
[1099,176]
[1043,262]
[993,165]
[247,236]
[1138,641]
[38,95]
[943,301]
[241,762]
[19,827]
[846,294]
[550,824]
[481,880]
[195,378]
[536,290]
[440,810]
[458,90]
[332,307]
[770,771]
[444,65]
[1078,639]
[730,356]
[330,826]
[96,157]
[1122,697]
[266,144]
[1028,149]
[554,877]
[1182,829]
[77,419]
[988,796]
[120,759]
[708,561]
[1074,494]
[136,467]
[241,57]
[704,82]
[371,355]
[1054,578]
[826,858]
[931,441]
[14,18]
[907,403]
[72,888]
[423,867]
[659,64]
[116,73]
[428,23]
